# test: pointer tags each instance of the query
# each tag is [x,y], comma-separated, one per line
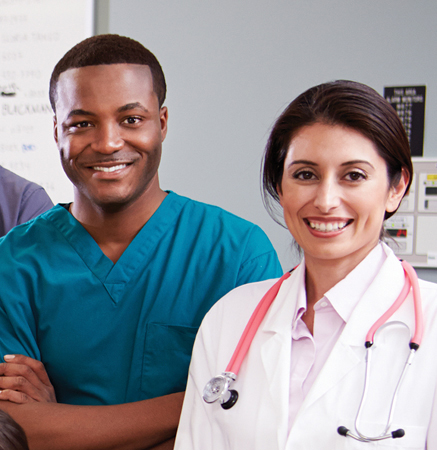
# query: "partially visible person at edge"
[101,298]
[12,436]
[20,200]
[338,164]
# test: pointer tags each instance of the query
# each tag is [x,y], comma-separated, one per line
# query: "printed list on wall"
[409,103]
[34,35]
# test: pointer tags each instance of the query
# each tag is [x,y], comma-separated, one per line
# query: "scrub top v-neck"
[114,333]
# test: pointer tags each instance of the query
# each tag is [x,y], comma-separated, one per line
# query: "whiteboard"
[34,35]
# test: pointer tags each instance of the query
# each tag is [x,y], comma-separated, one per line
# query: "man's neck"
[114,230]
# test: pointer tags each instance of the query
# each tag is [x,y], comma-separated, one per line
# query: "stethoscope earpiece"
[398,433]
[343,431]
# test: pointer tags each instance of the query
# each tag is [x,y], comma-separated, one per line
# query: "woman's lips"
[327,227]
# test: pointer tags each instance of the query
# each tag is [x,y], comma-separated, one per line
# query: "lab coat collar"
[274,336]
[346,294]
[349,349]
[380,295]
[284,309]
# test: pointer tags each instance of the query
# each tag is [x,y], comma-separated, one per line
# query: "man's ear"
[396,193]
[55,129]
[163,117]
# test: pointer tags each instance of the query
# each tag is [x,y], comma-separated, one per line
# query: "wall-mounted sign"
[34,35]
[409,103]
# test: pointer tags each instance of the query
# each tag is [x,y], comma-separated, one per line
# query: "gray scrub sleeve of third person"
[20,200]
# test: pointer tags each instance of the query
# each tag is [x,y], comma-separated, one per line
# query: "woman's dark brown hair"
[345,103]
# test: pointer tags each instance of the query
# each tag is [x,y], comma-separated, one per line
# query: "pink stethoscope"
[218,388]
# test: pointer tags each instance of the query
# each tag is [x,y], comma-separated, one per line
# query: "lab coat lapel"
[275,349]
[349,349]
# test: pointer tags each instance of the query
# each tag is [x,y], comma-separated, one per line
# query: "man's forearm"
[138,425]
[167,445]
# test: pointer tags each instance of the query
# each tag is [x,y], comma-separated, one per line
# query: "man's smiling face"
[109,131]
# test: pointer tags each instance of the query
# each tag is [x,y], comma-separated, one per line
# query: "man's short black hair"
[109,49]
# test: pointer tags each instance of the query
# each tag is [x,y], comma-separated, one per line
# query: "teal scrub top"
[116,333]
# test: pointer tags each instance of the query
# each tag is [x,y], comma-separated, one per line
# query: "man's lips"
[335,225]
[109,169]
[109,166]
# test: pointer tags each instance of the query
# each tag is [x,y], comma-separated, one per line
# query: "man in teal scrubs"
[100,299]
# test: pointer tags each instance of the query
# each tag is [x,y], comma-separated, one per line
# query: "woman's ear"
[279,192]
[396,193]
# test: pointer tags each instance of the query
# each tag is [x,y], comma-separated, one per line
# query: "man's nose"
[108,139]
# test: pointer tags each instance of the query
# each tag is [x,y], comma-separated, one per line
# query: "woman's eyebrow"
[302,161]
[357,161]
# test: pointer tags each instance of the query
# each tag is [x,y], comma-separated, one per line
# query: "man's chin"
[113,205]
[107,202]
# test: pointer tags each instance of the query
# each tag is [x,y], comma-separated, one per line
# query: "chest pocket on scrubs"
[167,355]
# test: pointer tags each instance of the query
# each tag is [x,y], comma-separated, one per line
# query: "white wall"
[233,65]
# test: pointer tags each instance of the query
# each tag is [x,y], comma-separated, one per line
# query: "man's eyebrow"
[129,106]
[79,112]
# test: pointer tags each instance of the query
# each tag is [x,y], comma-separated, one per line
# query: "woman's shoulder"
[428,290]
[245,296]
[236,307]
[224,324]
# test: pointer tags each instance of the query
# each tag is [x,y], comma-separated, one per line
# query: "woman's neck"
[322,275]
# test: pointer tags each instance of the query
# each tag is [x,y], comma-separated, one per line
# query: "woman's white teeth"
[109,169]
[330,226]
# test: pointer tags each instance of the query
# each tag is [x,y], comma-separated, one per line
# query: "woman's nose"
[108,139]
[327,196]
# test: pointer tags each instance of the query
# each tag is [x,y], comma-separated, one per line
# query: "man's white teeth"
[330,226]
[109,169]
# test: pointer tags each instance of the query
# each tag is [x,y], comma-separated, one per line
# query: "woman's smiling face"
[334,193]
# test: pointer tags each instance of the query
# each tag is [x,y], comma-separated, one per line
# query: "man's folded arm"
[140,425]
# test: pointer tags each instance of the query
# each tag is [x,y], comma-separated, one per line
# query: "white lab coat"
[259,420]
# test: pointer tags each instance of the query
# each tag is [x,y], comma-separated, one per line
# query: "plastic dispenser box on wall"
[413,229]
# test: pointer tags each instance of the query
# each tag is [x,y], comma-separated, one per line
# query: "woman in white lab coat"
[338,163]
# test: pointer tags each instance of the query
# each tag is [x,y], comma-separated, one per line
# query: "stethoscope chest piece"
[217,389]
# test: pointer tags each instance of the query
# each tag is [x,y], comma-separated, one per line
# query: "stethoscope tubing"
[232,369]
[418,312]
[385,433]
[252,326]
[410,281]
[217,389]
